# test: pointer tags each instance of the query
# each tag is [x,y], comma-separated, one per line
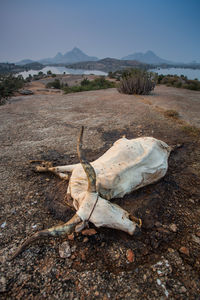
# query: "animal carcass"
[127,166]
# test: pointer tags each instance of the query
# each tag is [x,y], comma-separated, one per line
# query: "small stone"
[82,254]
[192,201]
[198,233]
[96,293]
[65,250]
[2,284]
[3,225]
[196,239]
[171,250]
[130,255]
[90,231]
[117,255]
[73,257]
[71,237]
[184,250]
[47,179]
[85,240]
[158,224]
[183,289]
[173,227]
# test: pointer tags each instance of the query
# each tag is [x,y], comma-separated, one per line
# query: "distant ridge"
[149,58]
[73,56]
[108,65]
[24,62]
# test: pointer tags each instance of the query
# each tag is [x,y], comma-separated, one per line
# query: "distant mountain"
[107,64]
[149,57]
[73,56]
[24,62]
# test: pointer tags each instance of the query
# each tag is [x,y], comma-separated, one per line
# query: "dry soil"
[160,262]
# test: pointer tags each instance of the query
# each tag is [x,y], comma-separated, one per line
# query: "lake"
[190,73]
[61,70]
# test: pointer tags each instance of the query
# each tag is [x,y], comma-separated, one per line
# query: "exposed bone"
[125,167]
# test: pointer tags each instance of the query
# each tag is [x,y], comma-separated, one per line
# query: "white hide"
[125,167]
[105,213]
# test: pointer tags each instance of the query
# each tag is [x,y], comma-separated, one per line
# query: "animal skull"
[127,166]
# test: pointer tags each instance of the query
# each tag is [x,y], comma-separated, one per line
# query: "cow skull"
[125,167]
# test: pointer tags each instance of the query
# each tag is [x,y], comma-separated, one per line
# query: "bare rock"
[26,92]
[65,250]
[173,227]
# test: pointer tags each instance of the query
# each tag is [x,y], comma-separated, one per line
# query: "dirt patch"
[46,127]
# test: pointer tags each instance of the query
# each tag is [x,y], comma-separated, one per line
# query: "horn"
[89,170]
[55,231]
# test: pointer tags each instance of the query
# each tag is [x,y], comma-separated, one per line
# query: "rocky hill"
[107,64]
[73,56]
[149,57]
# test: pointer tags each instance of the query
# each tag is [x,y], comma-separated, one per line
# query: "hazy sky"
[104,28]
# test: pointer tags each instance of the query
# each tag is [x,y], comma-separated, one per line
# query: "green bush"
[54,84]
[88,85]
[84,82]
[9,85]
[136,81]
[179,82]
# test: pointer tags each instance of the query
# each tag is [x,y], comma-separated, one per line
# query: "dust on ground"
[165,255]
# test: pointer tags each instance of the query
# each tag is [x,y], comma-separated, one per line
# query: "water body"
[61,70]
[190,73]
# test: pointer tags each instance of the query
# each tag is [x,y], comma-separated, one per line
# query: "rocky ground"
[160,262]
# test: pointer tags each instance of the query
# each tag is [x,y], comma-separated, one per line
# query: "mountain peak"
[150,52]
[72,56]
[148,57]
[59,55]
[76,49]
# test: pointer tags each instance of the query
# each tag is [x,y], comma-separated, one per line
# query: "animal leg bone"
[58,171]
[56,231]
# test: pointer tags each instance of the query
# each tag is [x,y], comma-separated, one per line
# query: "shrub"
[171,114]
[9,85]
[179,82]
[87,85]
[84,82]
[54,84]
[137,81]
